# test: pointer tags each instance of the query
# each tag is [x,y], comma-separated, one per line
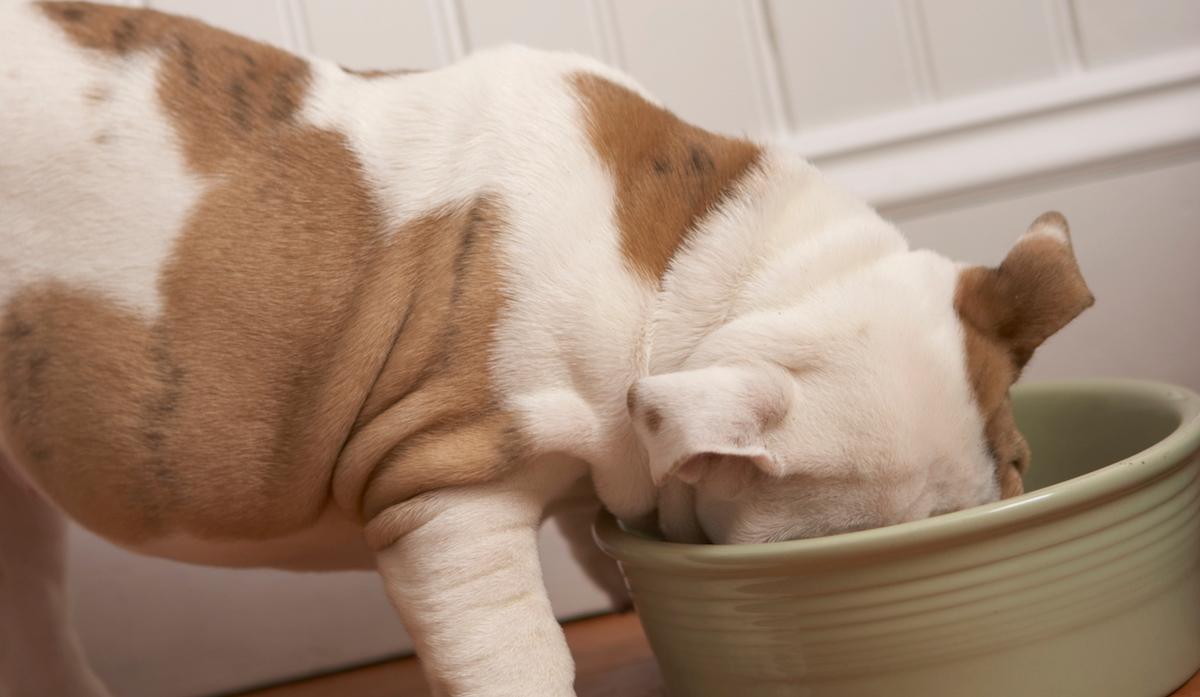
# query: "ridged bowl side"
[1088,587]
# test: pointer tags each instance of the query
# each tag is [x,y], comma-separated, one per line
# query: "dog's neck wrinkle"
[782,206]
[666,312]
[661,312]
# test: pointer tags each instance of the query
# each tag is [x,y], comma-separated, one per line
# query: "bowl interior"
[1073,432]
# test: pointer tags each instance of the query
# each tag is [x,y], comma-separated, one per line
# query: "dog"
[261,310]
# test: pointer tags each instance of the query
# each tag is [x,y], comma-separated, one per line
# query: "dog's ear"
[1035,291]
[710,422]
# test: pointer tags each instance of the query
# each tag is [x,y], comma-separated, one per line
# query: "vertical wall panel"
[841,59]
[987,43]
[693,54]
[258,20]
[1116,30]
[373,33]
[548,24]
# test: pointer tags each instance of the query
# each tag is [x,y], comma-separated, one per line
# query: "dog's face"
[880,399]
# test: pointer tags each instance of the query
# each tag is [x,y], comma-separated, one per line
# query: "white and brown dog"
[261,310]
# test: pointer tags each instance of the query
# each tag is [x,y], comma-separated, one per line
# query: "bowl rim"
[1053,501]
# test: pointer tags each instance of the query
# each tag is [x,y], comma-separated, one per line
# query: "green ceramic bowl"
[1088,585]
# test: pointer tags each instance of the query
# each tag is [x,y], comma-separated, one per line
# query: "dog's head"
[879,399]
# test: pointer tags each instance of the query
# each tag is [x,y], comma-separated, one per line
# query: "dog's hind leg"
[40,654]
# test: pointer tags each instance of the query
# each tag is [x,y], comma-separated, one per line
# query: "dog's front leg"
[465,577]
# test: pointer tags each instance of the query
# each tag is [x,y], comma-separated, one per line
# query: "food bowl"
[1088,585]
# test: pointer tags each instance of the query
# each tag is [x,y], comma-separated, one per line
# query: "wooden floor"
[612,659]
[611,655]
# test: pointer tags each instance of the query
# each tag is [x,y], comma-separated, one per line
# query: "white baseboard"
[939,153]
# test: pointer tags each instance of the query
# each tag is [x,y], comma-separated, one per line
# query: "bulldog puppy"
[259,310]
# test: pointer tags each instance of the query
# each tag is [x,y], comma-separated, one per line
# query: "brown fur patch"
[1007,312]
[1035,291]
[301,345]
[668,174]
[225,92]
[991,371]
[431,419]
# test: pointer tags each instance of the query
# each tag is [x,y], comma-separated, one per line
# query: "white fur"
[880,425]
[466,579]
[100,216]
[716,410]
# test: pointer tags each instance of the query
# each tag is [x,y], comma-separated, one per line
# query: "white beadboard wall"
[961,120]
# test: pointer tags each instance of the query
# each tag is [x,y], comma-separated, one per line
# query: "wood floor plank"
[611,655]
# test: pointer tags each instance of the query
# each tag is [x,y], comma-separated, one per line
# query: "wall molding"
[945,150]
